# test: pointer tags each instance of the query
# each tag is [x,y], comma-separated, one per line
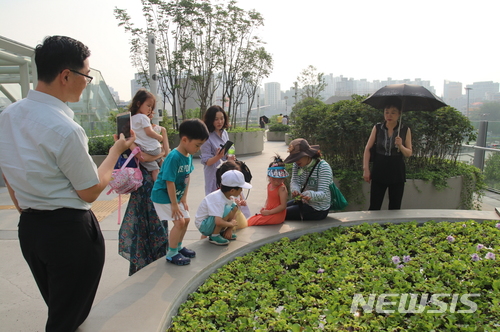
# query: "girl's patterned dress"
[143,237]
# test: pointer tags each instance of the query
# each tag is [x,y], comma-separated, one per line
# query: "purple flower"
[475,257]
[396,259]
[480,246]
[400,266]
[498,225]
[490,255]
[320,270]
[464,225]
[406,259]
[450,238]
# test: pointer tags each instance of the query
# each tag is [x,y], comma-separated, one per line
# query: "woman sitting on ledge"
[311,178]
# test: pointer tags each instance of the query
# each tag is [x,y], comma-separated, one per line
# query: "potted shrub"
[277,132]
[436,138]
[246,141]
[99,146]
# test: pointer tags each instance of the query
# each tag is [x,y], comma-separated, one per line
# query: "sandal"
[178,259]
[233,236]
[187,252]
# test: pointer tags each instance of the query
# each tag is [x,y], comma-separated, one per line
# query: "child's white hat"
[234,178]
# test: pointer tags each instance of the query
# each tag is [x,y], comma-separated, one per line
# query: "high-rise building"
[453,95]
[272,97]
[481,91]
[140,81]
[452,90]
[115,94]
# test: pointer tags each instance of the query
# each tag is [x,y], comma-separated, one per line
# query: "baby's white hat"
[234,178]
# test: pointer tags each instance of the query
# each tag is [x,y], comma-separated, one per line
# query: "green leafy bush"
[342,130]
[100,145]
[309,284]
[279,127]
[492,170]
[243,130]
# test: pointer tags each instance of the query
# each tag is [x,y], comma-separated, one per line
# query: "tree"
[199,46]
[238,42]
[490,111]
[311,83]
[261,66]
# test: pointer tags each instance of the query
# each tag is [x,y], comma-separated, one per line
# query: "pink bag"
[126,179]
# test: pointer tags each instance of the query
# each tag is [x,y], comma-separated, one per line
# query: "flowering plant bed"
[391,277]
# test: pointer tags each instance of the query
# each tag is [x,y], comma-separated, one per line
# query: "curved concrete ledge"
[149,299]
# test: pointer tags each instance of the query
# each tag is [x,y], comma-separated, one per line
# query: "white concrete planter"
[418,194]
[276,135]
[98,158]
[174,142]
[249,142]
[288,139]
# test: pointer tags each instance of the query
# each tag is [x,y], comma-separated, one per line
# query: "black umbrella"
[413,97]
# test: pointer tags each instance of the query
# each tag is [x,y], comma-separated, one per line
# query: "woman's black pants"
[377,194]
[65,251]
[303,212]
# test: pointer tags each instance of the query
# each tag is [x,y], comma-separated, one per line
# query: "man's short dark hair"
[226,189]
[58,53]
[193,129]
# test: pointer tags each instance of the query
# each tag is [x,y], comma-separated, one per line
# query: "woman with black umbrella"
[387,145]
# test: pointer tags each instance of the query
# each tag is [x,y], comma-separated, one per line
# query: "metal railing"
[483,156]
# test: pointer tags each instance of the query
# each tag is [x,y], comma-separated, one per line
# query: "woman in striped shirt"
[311,178]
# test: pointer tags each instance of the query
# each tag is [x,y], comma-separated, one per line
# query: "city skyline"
[434,41]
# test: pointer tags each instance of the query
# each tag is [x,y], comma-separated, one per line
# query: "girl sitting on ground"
[274,211]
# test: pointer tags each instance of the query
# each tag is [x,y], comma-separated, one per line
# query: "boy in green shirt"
[169,194]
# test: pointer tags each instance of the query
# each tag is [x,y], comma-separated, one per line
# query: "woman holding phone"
[212,152]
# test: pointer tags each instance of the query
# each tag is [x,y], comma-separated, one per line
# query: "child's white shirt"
[212,205]
[139,122]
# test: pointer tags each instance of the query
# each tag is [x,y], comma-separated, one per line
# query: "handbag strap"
[132,154]
[310,173]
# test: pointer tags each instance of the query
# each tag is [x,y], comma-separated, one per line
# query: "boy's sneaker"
[178,259]
[218,240]
[187,252]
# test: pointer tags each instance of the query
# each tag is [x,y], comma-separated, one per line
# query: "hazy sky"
[433,40]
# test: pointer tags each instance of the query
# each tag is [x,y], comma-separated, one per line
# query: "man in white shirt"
[52,181]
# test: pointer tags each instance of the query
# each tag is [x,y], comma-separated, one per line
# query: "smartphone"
[227,146]
[123,124]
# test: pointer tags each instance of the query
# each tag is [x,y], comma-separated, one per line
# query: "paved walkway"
[21,306]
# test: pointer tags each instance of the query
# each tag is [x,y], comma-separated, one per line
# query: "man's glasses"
[87,77]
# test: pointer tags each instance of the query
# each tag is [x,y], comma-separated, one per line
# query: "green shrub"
[100,145]
[492,170]
[243,130]
[279,127]
[342,130]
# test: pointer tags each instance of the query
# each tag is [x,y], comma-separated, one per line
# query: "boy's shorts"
[207,226]
[164,211]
